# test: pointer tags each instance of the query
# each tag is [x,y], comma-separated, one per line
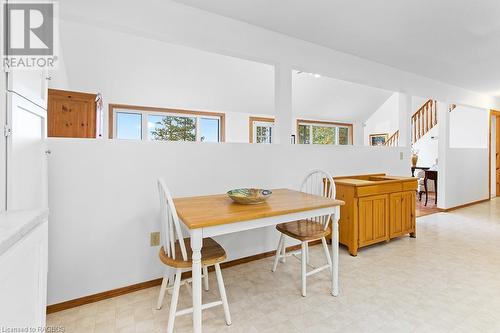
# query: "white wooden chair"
[318,183]
[176,253]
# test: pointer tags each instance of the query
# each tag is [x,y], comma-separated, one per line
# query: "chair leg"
[283,250]
[303,261]
[173,302]
[170,284]
[205,279]
[327,253]
[278,253]
[163,289]
[222,291]
[307,252]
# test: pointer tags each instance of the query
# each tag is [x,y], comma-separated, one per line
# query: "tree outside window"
[175,128]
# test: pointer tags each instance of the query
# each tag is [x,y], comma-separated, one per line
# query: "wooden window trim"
[251,120]
[492,113]
[312,122]
[112,107]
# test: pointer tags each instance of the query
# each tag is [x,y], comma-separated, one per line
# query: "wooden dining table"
[215,215]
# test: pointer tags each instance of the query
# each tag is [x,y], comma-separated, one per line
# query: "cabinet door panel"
[26,160]
[396,215]
[408,211]
[402,213]
[23,281]
[373,219]
[71,114]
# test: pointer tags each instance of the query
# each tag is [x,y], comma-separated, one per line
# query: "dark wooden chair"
[431,175]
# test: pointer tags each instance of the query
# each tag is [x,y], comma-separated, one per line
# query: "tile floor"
[445,280]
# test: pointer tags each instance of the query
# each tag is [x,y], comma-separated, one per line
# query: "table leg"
[426,191]
[196,244]
[335,252]
[436,191]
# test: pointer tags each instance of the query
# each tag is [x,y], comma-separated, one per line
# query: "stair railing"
[423,120]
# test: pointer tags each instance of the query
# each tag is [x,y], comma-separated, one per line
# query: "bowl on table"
[249,196]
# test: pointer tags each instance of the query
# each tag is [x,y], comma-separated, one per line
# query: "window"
[323,133]
[128,125]
[157,124]
[260,130]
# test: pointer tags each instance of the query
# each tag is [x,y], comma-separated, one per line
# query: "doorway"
[494,153]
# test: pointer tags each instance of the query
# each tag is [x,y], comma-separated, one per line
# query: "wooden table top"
[211,210]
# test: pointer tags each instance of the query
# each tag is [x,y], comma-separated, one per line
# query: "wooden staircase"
[423,120]
[393,141]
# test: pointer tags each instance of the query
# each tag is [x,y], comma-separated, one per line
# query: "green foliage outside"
[323,135]
[343,136]
[175,128]
[304,134]
[263,134]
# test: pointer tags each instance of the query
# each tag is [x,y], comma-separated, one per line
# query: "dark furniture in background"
[431,175]
[417,168]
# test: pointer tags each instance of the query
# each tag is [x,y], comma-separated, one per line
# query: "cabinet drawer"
[363,191]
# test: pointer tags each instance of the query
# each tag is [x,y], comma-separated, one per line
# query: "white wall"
[428,147]
[103,200]
[128,69]
[327,98]
[417,102]
[463,155]
[469,127]
[384,120]
[175,76]
[467,176]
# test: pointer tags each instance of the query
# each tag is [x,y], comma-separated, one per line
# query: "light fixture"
[316,75]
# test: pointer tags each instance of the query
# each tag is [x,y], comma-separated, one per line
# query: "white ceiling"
[331,99]
[453,41]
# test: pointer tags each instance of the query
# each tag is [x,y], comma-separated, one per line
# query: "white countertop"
[14,225]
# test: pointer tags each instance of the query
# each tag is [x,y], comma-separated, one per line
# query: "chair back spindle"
[170,226]
[320,183]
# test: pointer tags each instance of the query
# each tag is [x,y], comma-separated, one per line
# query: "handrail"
[393,141]
[423,120]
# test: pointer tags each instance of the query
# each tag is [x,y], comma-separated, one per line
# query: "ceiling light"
[316,75]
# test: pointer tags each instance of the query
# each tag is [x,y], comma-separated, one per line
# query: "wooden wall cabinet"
[71,114]
[378,208]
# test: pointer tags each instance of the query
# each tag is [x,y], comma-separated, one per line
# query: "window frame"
[320,123]
[144,111]
[251,127]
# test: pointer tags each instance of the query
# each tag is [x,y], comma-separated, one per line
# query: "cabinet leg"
[353,251]
[413,234]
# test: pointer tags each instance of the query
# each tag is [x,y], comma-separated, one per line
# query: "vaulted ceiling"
[331,99]
[452,41]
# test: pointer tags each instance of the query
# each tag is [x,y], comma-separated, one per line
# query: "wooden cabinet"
[378,208]
[23,270]
[71,114]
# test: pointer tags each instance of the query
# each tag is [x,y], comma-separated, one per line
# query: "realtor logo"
[29,35]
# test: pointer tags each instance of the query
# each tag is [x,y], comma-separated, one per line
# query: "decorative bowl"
[249,196]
